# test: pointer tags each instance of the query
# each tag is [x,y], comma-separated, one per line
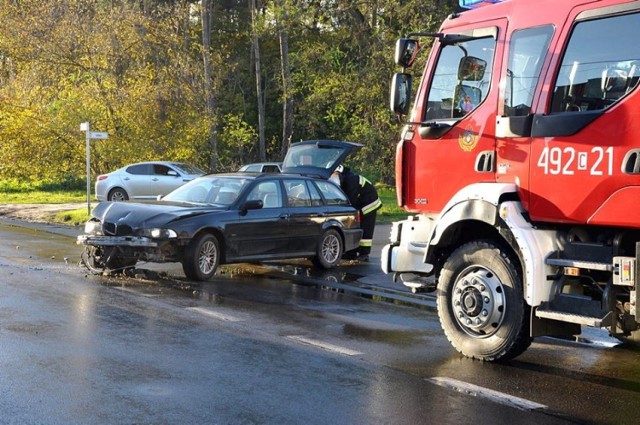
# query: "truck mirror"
[406,52]
[400,93]
[471,69]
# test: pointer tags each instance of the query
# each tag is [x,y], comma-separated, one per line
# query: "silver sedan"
[144,180]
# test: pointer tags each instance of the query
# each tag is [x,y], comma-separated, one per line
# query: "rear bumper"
[351,238]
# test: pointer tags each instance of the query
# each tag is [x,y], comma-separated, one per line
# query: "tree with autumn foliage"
[179,80]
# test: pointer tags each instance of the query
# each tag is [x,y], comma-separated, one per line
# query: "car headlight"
[93,227]
[159,233]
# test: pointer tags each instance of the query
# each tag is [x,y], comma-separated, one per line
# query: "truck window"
[526,55]
[450,97]
[600,65]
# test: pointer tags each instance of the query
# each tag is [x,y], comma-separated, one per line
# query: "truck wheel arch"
[502,220]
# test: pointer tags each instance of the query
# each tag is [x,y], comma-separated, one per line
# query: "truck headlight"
[159,233]
[396,231]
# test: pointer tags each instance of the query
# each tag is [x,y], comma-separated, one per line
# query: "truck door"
[527,53]
[455,144]
[584,149]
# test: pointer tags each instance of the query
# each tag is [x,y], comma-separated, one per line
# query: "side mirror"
[471,69]
[400,96]
[254,204]
[172,173]
[466,99]
[159,197]
[406,52]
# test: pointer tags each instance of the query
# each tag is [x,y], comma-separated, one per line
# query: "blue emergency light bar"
[474,4]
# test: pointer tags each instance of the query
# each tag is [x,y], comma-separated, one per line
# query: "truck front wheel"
[480,302]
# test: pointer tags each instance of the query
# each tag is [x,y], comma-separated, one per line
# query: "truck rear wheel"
[480,302]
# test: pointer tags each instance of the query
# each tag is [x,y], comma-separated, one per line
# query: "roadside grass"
[43,197]
[72,217]
[390,210]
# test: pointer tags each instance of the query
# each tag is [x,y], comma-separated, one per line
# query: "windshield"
[222,191]
[188,169]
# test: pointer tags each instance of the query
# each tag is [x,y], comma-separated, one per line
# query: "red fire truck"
[520,162]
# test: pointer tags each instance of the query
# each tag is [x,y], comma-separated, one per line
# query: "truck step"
[597,322]
[592,265]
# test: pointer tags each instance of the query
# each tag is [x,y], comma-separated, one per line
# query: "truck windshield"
[450,97]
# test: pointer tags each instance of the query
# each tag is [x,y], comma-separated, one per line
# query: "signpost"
[90,135]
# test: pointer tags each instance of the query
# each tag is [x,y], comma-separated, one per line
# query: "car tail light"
[103,177]
[359,217]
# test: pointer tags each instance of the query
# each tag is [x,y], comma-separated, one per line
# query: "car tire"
[481,304]
[117,194]
[329,250]
[202,257]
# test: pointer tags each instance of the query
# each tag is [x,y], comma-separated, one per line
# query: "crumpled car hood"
[140,215]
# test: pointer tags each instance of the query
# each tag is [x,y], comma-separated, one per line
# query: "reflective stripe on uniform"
[372,206]
[366,242]
[363,181]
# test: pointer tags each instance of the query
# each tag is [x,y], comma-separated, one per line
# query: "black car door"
[306,215]
[260,232]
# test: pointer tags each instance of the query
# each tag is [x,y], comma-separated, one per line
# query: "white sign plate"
[98,135]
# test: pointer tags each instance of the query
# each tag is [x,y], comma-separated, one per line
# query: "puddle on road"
[394,337]
[39,245]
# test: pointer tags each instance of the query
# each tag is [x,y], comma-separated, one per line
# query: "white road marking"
[495,396]
[215,314]
[324,345]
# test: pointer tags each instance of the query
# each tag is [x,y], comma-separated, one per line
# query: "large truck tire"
[480,302]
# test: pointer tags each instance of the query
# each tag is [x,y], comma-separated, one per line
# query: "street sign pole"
[85,126]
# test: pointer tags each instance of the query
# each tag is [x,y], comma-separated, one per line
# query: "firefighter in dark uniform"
[363,196]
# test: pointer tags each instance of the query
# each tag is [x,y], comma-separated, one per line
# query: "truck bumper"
[408,248]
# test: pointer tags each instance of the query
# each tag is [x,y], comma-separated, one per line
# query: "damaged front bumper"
[132,241]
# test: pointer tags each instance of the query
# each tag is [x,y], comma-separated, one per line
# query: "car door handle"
[155,179]
[284,216]
[126,178]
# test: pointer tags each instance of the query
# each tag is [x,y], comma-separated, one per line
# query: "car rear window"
[188,169]
[271,169]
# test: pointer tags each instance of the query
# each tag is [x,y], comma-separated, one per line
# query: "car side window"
[316,198]
[332,194]
[297,193]
[253,169]
[139,169]
[161,170]
[600,65]
[268,192]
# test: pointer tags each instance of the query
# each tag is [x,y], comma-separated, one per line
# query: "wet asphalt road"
[248,348]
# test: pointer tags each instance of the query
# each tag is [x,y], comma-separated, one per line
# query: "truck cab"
[520,163]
